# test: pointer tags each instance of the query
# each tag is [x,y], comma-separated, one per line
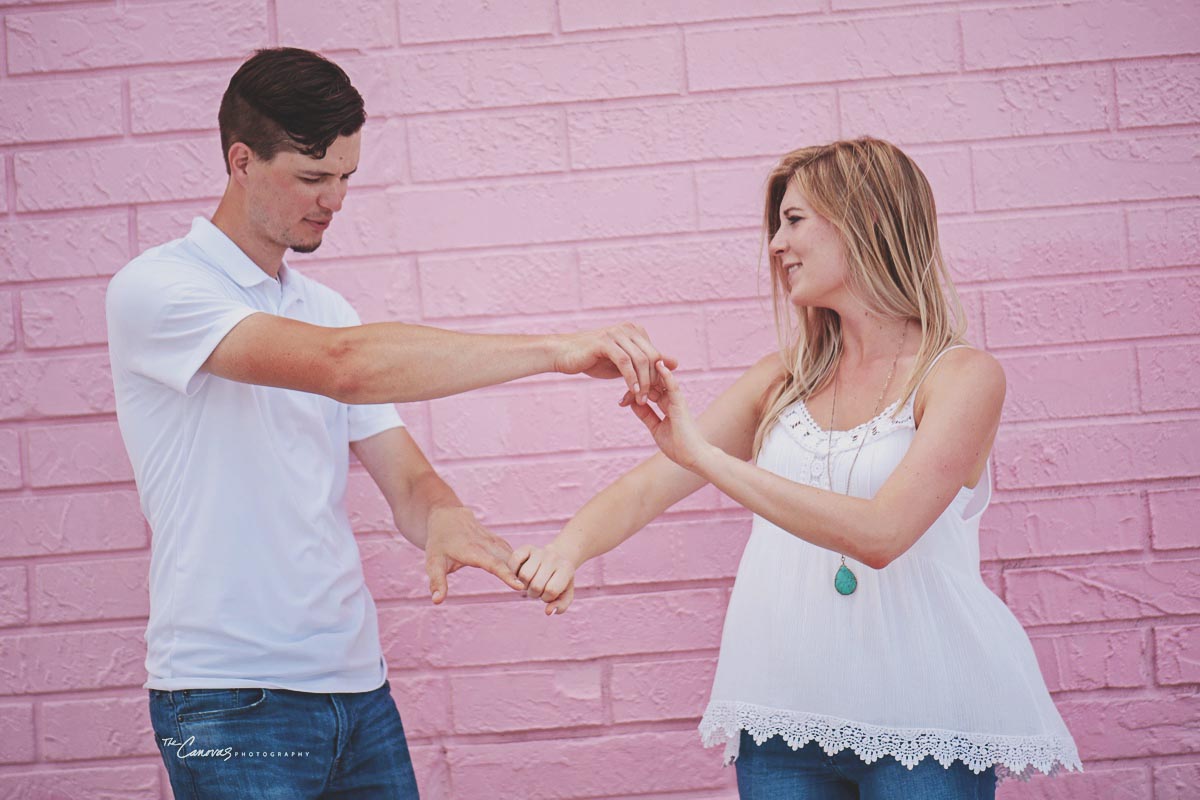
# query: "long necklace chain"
[845,581]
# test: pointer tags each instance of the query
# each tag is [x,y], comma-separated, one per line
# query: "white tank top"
[921,660]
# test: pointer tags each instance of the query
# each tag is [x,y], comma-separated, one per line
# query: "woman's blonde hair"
[881,203]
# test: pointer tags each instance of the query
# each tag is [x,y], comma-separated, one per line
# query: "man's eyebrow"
[319,174]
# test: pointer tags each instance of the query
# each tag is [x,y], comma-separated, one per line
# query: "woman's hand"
[548,575]
[675,432]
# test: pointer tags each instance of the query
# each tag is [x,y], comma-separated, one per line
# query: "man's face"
[292,198]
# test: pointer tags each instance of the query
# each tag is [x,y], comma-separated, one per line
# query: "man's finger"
[519,557]
[435,567]
[498,567]
[642,364]
[621,360]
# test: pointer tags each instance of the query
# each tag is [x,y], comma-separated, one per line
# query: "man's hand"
[455,540]
[620,351]
[548,575]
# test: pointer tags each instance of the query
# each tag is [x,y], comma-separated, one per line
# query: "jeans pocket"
[196,705]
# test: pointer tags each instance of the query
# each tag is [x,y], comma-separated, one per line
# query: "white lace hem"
[1012,756]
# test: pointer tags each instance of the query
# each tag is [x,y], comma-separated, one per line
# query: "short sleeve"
[165,319]
[367,419]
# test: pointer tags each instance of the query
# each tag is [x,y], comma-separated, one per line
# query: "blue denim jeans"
[774,771]
[271,744]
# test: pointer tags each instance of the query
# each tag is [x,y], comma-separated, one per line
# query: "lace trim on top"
[799,423]
[1012,756]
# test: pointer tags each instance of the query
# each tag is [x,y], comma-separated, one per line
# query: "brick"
[195,30]
[329,26]
[648,691]
[1093,311]
[584,15]
[161,224]
[14,596]
[380,290]
[1050,595]
[433,774]
[1163,93]
[681,271]
[84,246]
[501,424]
[56,662]
[985,249]
[1164,237]
[63,316]
[177,100]
[16,733]
[1128,783]
[514,633]
[10,459]
[63,386]
[399,629]
[678,550]
[8,322]
[91,590]
[72,523]
[1092,660]
[525,75]
[384,154]
[1168,376]
[450,147]
[1173,518]
[738,337]
[535,491]
[575,768]
[692,130]
[474,19]
[1175,649]
[1026,104]
[116,174]
[1176,782]
[424,704]
[528,282]
[128,782]
[764,56]
[515,214]
[4,170]
[71,730]
[1082,31]
[1100,171]
[732,197]
[1134,727]
[523,700]
[1045,386]
[49,111]
[1063,526]
[1097,454]
[615,426]
[65,455]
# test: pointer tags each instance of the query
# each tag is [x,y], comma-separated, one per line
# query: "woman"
[860,638]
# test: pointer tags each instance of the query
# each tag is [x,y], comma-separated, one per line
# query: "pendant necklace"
[844,580]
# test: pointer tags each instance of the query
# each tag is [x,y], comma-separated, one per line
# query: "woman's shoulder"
[964,373]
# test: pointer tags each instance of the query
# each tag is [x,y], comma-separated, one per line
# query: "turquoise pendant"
[844,581]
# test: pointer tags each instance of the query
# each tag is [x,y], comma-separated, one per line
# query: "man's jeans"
[271,744]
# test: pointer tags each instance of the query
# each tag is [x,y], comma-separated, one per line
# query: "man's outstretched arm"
[429,514]
[392,362]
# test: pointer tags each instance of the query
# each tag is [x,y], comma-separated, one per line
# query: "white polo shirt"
[255,577]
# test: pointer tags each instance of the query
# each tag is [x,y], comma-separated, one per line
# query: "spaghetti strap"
[933,364]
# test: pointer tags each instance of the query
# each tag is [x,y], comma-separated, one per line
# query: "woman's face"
[810,253]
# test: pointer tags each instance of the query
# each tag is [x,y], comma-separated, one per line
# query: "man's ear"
[240,155]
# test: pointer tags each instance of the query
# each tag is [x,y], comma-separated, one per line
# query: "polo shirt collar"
[225,254]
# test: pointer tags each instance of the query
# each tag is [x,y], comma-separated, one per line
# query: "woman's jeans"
[774,771]
[271,744]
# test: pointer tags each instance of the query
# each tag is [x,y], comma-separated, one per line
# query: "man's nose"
[332,199]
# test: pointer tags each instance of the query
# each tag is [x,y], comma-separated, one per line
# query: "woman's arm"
[961,412]
[643,493]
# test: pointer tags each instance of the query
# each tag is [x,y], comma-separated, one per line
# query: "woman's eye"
[793,219]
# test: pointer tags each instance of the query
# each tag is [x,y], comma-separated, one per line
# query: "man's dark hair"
[285,97]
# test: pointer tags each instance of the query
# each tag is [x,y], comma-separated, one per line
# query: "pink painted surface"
[551,164]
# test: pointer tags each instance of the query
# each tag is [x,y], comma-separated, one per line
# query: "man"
[241,387]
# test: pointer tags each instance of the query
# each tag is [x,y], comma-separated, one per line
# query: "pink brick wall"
[550,164]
